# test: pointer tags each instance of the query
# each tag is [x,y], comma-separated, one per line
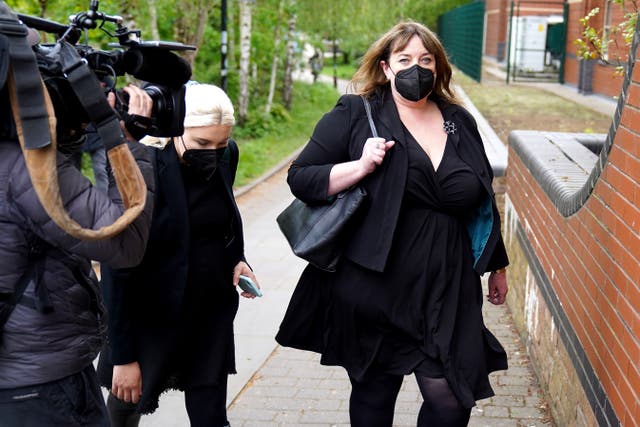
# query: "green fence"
[461,31]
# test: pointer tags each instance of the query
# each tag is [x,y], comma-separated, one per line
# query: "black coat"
[145,303]
[340,136]
[43,344]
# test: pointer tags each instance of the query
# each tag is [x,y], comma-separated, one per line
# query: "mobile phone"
[247,285]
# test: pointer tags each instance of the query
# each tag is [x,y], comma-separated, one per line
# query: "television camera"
[163,72]
[76,76]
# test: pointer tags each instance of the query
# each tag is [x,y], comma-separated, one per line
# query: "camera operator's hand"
[137,122]
[140,103]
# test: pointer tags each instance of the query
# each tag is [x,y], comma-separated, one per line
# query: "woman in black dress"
[406,297]
[171,317]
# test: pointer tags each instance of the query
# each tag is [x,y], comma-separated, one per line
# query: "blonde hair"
[207,105]
[369,77]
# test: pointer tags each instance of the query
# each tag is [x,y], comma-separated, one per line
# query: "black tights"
[440,407]
[373,401]
[121,413]
[207,406]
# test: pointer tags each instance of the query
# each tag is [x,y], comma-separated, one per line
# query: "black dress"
[423,312]
[205,349]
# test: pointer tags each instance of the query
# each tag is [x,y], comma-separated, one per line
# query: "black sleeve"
[117,288]
[308,176]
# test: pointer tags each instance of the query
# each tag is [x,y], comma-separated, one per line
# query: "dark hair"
[369,77]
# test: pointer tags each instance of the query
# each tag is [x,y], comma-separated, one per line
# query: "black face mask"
[414,83]
[203,161]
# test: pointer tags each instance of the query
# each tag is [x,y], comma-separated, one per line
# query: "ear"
[385,68]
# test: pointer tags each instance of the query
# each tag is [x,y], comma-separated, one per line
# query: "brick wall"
[497,13]
[493,21]
[603,81]
[576,279]
[496,28]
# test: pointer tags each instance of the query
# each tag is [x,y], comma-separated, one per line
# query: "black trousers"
[72,401]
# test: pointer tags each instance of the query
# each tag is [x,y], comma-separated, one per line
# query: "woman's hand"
[498,287]
[126,383]
[373,153]
[243,268]
[344,175]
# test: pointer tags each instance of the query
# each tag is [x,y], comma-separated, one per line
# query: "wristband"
[138,126]
[500,270]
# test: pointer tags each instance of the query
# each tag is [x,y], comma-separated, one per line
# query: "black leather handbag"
[315,232]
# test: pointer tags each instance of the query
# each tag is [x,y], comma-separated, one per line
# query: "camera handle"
[89,20]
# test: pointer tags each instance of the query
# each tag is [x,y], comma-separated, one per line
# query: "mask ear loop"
[184,149]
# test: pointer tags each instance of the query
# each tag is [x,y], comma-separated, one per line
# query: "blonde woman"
[171,317]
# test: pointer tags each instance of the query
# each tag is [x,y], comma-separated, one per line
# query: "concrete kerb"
[268,174]
[494,147]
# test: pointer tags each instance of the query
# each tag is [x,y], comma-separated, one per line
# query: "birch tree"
[245,56]
[287,90]
[275,59]
[153,20]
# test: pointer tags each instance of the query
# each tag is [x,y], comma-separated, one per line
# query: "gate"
[537,40]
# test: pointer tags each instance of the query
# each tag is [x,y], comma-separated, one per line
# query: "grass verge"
[512,107]
[258,155]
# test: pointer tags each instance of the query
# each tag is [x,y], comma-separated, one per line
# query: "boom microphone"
[157,65]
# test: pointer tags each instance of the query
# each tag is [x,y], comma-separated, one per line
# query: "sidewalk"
[598,103]
[277,386]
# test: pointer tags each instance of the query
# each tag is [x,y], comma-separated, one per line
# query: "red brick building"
[588,76]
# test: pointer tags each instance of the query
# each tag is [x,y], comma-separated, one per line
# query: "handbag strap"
[367,108]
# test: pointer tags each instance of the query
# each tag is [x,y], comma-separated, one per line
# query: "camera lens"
[160,106]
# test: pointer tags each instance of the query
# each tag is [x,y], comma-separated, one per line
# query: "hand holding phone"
[247,285]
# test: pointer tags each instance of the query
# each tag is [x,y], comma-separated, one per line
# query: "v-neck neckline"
[430,161]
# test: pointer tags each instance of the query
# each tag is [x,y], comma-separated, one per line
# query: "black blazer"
[152,292]
[340,136]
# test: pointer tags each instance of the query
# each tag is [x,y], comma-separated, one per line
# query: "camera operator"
[57,327]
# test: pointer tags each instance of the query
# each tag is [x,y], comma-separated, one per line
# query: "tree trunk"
[276,55]
[290,61]
[190,24]
[245,54]
[153,18]
[43,7]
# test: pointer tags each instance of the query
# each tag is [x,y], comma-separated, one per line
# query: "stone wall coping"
[561,162]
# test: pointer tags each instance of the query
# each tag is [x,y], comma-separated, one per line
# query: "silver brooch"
[449,127]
